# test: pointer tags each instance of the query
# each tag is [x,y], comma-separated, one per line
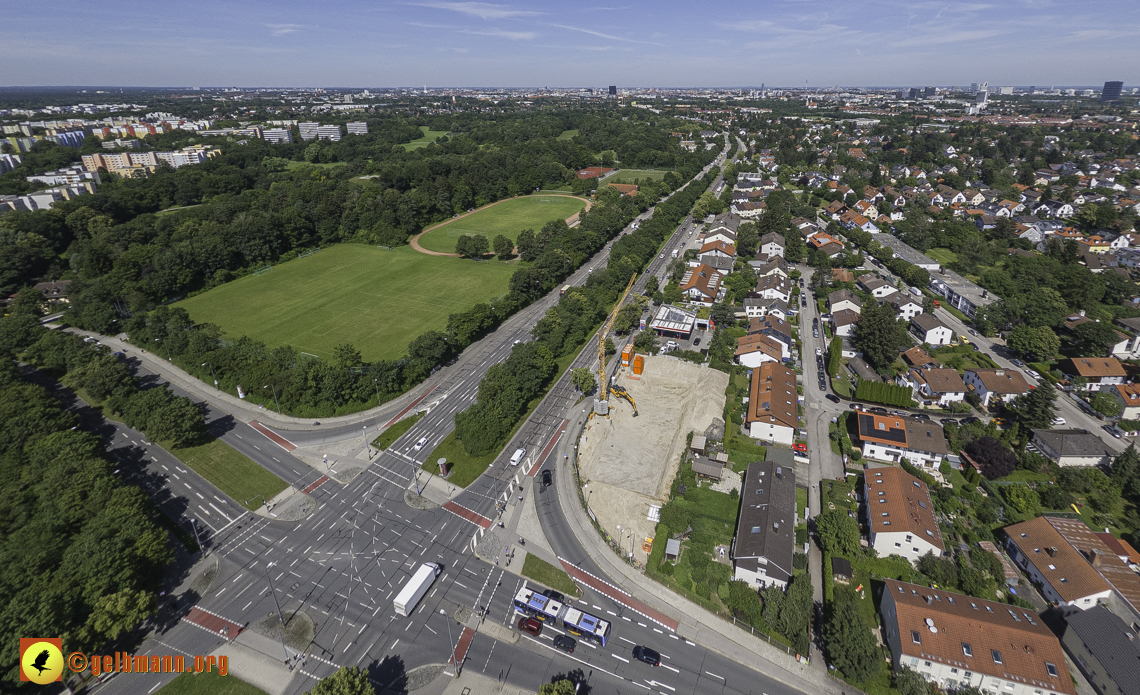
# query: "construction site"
[628,463]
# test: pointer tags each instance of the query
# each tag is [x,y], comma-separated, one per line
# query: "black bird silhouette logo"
[41,659]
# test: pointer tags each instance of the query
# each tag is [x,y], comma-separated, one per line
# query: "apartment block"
[357,128]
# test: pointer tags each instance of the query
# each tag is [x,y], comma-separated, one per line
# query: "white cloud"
[482,10]
[282,29]
[948,37]
[747,25]
[601,35]
[513,35]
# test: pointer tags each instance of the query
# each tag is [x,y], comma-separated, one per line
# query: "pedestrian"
[520,498]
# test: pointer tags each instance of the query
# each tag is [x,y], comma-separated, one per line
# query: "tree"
[1105,403]
[528,245]
[1053,497]
[911,682]
[838,533]
[850,645]
[120,612]
[646,341]
[561,687]
[1035,410]
[941,570]
[583,380]
[878,335]
[346,681]
[835,356]
[503,246]
[996,460]
[1034,344]
[1021,499]
[1094,339]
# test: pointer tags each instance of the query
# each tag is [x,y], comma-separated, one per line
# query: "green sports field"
[378,300]
[628,175]
[429,136]
[507,218]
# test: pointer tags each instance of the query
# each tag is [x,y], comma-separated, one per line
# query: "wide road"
[343,563]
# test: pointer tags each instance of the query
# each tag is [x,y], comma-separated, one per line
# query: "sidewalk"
[696,624]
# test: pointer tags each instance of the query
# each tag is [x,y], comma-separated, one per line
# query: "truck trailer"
[406,601]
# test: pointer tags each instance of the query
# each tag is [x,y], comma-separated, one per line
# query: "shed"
[708,469]
[841,569]
[672,549]
[698,445]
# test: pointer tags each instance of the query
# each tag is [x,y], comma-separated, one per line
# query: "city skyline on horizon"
[791,43]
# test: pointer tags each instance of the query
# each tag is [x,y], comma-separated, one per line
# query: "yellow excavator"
[601,405]
[619,391]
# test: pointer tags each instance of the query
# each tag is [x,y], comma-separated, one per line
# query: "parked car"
[832,397]
[1113,430]
[969,420]
[1019,363]
[800,447]
[973,332]
[822,385]
[696,342]
[530,625]
[819,351]
[564,643]
[948,421]
[815,332]
[921,416]
[647,655]
[1033,374]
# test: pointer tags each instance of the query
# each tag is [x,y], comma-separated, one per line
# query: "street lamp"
[280,617]
[450,639]
[194,527]
[274,396]
[212,373]
[168,357]
[375,381]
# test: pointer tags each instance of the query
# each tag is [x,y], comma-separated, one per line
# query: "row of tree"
[886,394]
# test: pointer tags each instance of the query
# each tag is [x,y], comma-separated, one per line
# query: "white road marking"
[620,658]
[627,640]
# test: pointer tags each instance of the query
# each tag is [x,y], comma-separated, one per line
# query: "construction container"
[639,364]
[626,354]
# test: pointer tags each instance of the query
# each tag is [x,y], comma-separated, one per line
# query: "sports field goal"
[264,269]
[310,252]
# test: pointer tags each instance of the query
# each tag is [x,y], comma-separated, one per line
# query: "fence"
[310,253]
[263,269]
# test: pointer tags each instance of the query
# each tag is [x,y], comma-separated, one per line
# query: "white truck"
[406,601]
[674,253]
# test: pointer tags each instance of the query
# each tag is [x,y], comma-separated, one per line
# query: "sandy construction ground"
[629,463]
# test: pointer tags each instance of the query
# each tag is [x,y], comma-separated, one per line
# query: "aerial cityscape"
[466,348]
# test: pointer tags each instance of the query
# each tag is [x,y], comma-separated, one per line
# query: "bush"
[702,589]
[666,569]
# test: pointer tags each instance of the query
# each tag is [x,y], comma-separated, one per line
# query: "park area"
[429,136]
[632,175]
[508,217]
[377,300]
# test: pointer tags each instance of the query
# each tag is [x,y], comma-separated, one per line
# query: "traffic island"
[297,634]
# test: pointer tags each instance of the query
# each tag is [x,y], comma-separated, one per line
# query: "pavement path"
[415,241]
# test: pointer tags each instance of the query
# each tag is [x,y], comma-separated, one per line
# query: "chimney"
[999,372]
[1052,551]
[1096,558]
[1082,312]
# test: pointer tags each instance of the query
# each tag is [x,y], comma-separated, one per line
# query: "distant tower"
[425,89]
[973,88]
[613,91]
[1111,91]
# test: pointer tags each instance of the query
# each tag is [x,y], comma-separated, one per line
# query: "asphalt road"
[343,564]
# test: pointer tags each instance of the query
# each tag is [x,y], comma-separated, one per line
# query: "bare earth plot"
[629,463]
[375,299]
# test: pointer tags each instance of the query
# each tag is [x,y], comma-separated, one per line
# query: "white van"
[517,456]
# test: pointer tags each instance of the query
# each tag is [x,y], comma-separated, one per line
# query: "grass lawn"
[396,431]
[375,299]
[943,256]
[568,134]
[231,472]
[208,684]
[429,136]
[466,469]
[328,165]
[842,386]
[507,218]
[548,575]
[628,175]
[175,209]
[801,501]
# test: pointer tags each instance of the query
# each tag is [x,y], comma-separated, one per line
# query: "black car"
[968,420]
[822,385]
[649,656]
[696,342]
[547,478]
[554,595]
[948,421]
[921,416]
[565,643]
[833,398]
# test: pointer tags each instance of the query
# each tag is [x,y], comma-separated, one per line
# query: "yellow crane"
[601,407]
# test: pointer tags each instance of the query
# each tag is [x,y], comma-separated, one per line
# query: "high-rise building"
[929,92]
[613,90]
[329,132]
[914,92]
[1111,91]
[277,135]
[358,128]
[308,130]
[973,88]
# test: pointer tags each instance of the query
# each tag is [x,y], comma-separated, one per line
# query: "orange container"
[626,355]
[639,364]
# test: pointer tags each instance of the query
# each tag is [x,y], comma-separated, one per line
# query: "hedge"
[886,394]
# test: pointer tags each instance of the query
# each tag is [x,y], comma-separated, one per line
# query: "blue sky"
[359,43]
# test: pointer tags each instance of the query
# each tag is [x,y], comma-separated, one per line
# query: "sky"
[587,43]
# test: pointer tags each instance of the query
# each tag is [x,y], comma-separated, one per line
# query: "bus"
[565,289]
[578,623]
[586,626]
[534,605]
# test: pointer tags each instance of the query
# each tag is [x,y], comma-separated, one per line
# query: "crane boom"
[602,334]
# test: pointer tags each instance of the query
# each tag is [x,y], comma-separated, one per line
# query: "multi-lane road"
[358,543]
